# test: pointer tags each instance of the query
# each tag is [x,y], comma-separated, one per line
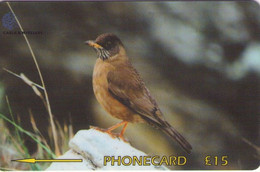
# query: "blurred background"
[200,60]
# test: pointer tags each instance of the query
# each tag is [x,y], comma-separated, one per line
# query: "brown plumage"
[122,93]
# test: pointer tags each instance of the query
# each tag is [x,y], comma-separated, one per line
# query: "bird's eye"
[109,43]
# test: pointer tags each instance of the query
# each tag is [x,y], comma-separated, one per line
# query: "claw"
[113,135]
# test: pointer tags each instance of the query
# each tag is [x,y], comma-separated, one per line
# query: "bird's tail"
[160,123]
[168,129]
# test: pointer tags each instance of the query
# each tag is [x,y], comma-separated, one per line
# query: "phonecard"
[129,85]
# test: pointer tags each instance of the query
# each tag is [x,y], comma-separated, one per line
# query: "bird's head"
[106,45]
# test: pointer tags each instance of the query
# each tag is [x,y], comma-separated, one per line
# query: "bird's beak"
[93,44]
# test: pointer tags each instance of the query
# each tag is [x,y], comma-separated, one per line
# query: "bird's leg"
[121,136]
[116,126]
[110,129]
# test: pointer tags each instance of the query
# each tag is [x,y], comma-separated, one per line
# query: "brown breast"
[107,101]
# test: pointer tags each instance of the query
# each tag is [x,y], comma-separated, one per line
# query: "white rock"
[92,146]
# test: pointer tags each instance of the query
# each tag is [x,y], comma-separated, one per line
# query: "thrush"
[121,91]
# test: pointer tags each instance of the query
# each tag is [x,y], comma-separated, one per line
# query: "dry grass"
[46,99]
[12,143]
[9,149]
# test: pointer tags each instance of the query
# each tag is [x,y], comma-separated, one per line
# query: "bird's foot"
[108,131]
[122,137]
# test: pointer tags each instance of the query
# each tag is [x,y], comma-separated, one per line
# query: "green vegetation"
[12,139]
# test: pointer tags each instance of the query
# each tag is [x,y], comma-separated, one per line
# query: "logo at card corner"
[8,21]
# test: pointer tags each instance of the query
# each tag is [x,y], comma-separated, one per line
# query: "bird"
[121,91]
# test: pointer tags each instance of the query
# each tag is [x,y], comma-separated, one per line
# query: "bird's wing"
[125,84]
